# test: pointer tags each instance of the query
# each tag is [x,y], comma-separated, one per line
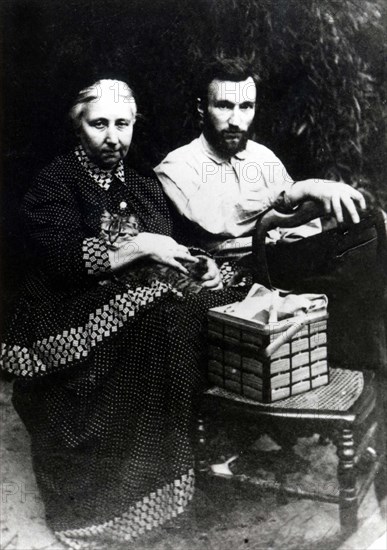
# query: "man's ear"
[200,108]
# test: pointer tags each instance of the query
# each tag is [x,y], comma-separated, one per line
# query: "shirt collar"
[103,177]
[213,155]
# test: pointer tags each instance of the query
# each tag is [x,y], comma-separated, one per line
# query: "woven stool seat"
[340,394]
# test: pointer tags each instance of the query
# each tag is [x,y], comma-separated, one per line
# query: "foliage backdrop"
[322,96]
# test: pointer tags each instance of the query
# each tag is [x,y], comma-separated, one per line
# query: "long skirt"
[111,437]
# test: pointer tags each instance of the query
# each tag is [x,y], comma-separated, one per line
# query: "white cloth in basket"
[265,306]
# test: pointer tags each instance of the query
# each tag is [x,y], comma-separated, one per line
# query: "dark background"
[321,101]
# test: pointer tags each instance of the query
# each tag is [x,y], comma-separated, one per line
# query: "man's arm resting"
[333,194]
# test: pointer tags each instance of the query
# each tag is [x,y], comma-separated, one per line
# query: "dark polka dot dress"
[107,375]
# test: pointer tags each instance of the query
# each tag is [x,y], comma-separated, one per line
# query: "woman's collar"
[103,177]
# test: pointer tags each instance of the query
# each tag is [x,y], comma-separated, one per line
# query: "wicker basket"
[267,362]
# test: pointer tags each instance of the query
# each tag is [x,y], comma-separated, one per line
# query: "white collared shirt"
[222,196]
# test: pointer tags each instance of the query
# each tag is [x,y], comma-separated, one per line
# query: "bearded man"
[222,181]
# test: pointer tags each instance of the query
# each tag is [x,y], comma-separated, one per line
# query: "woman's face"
[106,129]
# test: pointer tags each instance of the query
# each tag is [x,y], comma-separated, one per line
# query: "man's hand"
[211,279]
[333,194]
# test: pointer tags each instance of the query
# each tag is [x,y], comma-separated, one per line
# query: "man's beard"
[226,142]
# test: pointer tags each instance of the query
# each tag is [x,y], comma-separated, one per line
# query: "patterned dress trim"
[95,256]
[229,274]
[151,511]
[76,343]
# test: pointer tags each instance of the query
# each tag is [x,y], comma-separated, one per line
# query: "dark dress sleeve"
[60,243]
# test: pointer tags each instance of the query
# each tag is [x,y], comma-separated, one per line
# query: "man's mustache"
[233,133]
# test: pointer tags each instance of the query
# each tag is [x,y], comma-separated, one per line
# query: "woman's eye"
[99,125]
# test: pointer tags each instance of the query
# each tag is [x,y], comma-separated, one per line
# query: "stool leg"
[348,504]
[381,446]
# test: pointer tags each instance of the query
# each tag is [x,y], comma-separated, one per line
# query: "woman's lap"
[116,429]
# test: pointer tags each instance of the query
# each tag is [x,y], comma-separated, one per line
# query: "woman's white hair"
[115,88]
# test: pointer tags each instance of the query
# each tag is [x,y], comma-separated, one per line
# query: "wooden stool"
[347,411]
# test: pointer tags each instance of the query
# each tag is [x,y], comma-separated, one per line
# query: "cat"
[118,228]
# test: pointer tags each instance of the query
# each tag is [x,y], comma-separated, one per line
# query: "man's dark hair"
[235,69]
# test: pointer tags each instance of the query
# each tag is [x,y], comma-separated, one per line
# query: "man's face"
[230,112]
[106,129]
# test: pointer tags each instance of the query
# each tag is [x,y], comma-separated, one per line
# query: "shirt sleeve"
[264,178]
[180,182]
[56,234]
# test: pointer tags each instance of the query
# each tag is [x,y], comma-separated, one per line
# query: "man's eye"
[99,124]
[122,124]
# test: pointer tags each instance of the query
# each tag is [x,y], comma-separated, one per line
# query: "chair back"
[307,211]
[352,235]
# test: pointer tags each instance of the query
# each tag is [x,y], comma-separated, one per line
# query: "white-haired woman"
[106,369]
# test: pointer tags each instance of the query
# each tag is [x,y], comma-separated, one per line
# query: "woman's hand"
[333,194]
[159,248]
[211,279]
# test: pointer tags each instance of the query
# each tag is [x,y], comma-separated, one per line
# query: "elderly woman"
[106,369]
